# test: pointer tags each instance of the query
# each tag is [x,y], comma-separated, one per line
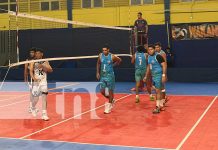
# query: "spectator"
[141,30]
[170,57]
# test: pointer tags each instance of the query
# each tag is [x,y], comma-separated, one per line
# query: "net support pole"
[69,12]
[17,31]
[167,20]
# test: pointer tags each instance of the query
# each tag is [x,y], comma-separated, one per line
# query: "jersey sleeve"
[160,59]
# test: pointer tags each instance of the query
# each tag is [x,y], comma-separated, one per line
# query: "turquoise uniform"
[140,66]
[107,72]
[156,71]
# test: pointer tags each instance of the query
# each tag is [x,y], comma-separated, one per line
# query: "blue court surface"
[16,144]
[173,88]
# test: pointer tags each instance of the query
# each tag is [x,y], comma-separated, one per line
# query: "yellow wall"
[4,21]
[119,16]
[181,12]
[126,15]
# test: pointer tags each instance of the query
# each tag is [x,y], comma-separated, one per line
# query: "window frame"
[92,5]
[192,1]
[58,5]
[48,5]
[142,3]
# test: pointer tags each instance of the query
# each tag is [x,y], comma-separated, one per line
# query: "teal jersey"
[155,66]
[140,60]
[106,65]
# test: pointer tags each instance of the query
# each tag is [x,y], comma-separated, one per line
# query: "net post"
[17,31]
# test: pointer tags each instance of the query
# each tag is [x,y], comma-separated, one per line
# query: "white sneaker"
[34,112]
[45,117]
[108,107]
[30,109]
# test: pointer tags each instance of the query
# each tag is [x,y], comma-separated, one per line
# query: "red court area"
[129,124]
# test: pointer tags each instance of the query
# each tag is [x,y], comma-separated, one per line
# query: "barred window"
[12,7]
[55,5]
[3,8]
[148,1]
[86,3]
[136,2]
[44,6]
[186,0]
[141,2]
[98,3]
[92,3]
[3,1]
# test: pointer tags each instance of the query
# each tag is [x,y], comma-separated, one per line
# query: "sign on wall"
[195,31]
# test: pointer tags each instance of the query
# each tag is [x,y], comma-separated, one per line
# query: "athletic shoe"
[34,112]
[151,97]
[45,117]
[30,109]
[137,100]
[156,110]
[108,107]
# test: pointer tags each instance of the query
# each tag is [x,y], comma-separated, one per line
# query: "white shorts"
[39,88]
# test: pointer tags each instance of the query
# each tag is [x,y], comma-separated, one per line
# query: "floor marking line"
[23,137]
[196,124]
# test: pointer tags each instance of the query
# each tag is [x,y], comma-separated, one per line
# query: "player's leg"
[110,86]
[44,90]
[157,79]
[164,96]
[30,85]
[137,80]
[35,97]
[103,87]
[149,87]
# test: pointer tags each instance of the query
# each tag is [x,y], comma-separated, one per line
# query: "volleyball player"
[159,50]
[38,72]
[140,61]
[105,73]
[26,75]
[158,68]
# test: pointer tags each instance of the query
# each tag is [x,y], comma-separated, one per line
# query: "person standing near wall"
[170,57]
[140,39]
[141,31]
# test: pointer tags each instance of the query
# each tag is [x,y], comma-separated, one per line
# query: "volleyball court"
[76,109]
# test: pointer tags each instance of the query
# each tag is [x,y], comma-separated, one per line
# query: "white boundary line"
[23,137]
[196,124]
[109,145]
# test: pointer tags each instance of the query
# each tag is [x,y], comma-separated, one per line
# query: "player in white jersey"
[27,78]
[38,72]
